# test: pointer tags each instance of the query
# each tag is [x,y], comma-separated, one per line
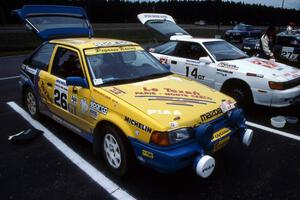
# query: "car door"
[69,102]
[193,61]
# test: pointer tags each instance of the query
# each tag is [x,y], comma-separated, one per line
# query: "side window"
[41,58]
[190,50]
[66,63]
[167,48]
[294,42]
[284,41]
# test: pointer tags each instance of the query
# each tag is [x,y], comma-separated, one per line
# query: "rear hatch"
[53,22]
[161,25]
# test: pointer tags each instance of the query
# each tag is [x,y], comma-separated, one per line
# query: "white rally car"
[222,66]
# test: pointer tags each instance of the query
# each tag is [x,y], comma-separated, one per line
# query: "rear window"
[55,22]
[166,28]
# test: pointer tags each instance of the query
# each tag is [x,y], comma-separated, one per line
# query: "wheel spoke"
[112,150]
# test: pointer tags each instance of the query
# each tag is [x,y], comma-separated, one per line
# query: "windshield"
[244,27]
[117,65]
[222,50]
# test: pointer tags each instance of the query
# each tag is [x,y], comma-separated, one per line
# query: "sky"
[275,3]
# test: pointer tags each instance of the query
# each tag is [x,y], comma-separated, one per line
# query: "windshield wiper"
[116,82]
[130,80]
[153,76]
[243,57]
[224,59]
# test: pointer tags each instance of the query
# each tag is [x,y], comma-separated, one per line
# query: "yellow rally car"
[120,98]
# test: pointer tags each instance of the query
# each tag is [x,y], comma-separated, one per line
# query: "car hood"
[263,68]
[172,99]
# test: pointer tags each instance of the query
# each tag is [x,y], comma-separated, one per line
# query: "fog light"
[247,137]
[205,165]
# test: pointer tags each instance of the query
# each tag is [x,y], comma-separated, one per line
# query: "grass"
[20,42]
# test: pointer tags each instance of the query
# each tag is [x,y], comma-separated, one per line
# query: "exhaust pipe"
[204,166]
[247,137]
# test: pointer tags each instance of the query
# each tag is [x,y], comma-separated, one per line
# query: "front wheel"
[241,94]
[116,151]
[31,103]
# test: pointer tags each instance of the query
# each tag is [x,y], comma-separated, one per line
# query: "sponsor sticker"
[73,100]
[220,133]
[156,16]
[173,124]
[98,81]
[112,43]
[147,154]
[228,66]
[138,125]
[96,108]
[163,112]
[104,50]
[60,96]
[30,70]
[116,90]
[265,63]
[163,60]
[83,105]
[211,114]
[227,106]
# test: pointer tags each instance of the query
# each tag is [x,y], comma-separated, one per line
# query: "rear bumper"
[179,156]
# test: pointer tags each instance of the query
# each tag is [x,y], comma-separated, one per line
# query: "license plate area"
[220,138]
[219,145]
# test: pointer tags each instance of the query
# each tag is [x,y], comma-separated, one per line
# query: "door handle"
[49,84]
[173,62]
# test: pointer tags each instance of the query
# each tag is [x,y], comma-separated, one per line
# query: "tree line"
[184,11]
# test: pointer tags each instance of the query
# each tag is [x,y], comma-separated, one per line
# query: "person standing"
[266,43]
[290,27]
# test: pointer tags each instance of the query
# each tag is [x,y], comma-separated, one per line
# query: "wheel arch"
[98,135]
[236,81]
[23,90]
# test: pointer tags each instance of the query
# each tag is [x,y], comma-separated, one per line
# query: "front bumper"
[283,98]
[179,156]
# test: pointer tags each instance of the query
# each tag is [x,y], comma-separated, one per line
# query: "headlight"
[172,137]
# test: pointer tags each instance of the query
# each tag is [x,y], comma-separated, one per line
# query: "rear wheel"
[31,103]
[117,152]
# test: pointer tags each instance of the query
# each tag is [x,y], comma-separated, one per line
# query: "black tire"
[31,103]
[126,154]
[241,94]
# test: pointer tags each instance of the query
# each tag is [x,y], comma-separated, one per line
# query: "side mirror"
[76,81]
[205,60]
[168,67]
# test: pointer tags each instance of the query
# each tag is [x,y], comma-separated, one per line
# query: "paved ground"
[269,169]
